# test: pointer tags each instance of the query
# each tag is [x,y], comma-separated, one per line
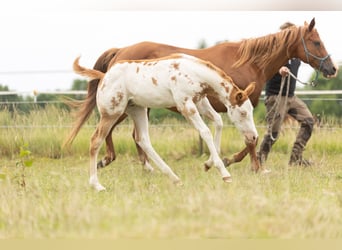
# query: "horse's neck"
[274,65]
[281,57]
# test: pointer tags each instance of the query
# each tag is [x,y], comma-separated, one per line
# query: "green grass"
[56,201]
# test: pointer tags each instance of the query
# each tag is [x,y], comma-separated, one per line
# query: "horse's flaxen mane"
[262,50]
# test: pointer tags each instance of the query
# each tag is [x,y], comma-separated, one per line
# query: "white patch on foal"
[180,81]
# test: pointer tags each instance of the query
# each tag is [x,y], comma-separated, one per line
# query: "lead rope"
[313,83]
[277,103]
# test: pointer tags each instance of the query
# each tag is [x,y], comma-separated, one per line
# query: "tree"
[79,84]
[10,101]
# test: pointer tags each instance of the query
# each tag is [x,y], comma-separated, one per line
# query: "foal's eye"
[243,113]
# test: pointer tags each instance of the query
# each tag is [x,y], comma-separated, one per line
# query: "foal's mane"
[262,50]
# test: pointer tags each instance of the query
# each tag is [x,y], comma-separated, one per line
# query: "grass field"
[52,199]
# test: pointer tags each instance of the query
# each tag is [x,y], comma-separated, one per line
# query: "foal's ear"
[250,88]
[312,24]
[239,96]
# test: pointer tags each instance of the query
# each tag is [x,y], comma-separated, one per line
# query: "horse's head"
[241,113]
[313,52]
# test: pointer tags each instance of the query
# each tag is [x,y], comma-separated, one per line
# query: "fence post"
[200,145]
[35,94]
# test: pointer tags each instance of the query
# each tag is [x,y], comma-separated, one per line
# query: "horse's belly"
[159,98]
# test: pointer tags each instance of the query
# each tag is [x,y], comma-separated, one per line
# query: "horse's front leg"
[253,156]
[249,149]
[110,151]
[205,109]
[237,157]
[142,155]
[190,112]
[256,165]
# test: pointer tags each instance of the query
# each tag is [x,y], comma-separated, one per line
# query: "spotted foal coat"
[180,81]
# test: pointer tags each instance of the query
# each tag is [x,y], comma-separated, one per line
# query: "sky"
[40,39]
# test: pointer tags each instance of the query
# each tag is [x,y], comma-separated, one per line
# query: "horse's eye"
[317,43]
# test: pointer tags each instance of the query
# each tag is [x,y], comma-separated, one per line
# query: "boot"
[303,136]
[264,150]
[296,158]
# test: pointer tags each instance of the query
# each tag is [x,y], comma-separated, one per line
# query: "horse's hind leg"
[139,116]
[102,130]
[110,151]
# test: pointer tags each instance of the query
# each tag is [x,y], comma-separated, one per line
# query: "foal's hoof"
[227,179]
[178,183]
[98,187]
[265,171]
[206,167]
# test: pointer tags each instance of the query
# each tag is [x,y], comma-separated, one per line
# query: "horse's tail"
[92,74]
[86,106]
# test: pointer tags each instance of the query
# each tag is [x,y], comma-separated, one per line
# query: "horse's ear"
[312,24]
[250,88]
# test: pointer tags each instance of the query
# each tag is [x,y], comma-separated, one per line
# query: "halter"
[320,59]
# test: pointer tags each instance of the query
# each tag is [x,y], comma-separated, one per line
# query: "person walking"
[278,105]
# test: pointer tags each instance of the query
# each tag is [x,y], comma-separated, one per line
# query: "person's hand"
[284,71]
[336,73]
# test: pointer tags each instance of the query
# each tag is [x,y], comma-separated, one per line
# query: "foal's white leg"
[102,130]
[139,116]
[191,113]
[205,108]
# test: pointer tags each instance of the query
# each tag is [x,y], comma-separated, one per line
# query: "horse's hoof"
[226,162]
[227,179]
[255,170]
[100,165]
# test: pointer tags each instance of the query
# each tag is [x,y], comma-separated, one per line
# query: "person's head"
[286,25]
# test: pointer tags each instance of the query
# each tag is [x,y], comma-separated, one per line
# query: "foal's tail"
[92,74]
[86,107]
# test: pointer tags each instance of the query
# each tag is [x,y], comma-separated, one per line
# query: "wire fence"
[84,92]
[314,95]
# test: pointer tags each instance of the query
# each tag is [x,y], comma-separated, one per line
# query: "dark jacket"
[273,85]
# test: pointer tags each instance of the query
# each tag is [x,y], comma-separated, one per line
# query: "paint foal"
[180,81]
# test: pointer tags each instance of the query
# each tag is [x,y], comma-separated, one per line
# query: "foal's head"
[241,112]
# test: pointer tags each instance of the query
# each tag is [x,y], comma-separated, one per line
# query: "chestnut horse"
[255,59]
[178,80]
